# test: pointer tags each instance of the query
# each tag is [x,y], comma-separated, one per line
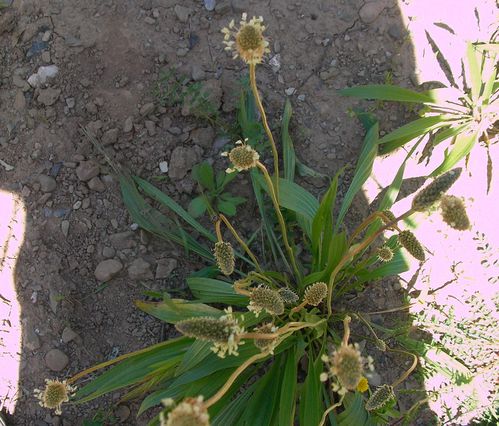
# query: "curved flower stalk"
[248,42]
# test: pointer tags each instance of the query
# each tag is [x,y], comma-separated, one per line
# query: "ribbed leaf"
[461,148]
[362,171]
[474,74]
[415,128]
[288,389]
[262,404]
[168,202]
[197,352]
[173,310]
[209,290]
[386,92]
[288,151]
[311,405]
[135,368]
[355,413]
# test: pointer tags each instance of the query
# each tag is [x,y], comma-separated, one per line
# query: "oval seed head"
[54,394]
[205,328]
[266,344]
[409,241]
[380,398]
[454,212]
[243,157]
[247,40]
[385,253]
[264,297]
[224,256]
[347,365]
[315,293]
[190,412]
[288,296]
[432,193]
[388,217]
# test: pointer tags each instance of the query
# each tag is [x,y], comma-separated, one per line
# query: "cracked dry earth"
[109,55]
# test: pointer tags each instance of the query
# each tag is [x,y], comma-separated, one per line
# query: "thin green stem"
[256,95]
[280,218]
[240,241]
[354,250]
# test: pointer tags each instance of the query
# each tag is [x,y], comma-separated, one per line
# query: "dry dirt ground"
[110,54]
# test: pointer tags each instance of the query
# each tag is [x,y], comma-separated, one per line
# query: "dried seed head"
[264,297]
[385,253]
[347,365]
[454,212]
[266,344]
[315,293]
[190,412]
[223,332]
[432,193]
[363,385]
[248,39]
[380,398]
[388,217]
[224,256]
[243,157]
[409,241]
[288,296]
[54,394]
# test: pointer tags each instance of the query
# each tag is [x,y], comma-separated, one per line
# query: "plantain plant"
[461,117]
[263,340]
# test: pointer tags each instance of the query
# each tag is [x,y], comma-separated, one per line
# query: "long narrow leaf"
[311,406]
[173,310]
[362,171]
[415,128]
[386,92]
[168,202]
[209,290]
[288,151]
[461,148]
[474,75]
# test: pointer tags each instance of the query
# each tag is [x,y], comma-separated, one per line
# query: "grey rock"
[210,4]
[86,170]
[123,240]
[239,6]
[110,136]
[65,227]
[95,184]
[48,96]
[108,252]
[122,412]
[7,21]
[19,101]
[147,109]
[197,72]
[56,360]
[31,340]
[128,125]
[139,269]
[182,160]
[165,267]
[70,102]
[107,269]
[203,137]
[182,13]
[151,127]
[396,32]
[370,11]
[47,183]
[68,335]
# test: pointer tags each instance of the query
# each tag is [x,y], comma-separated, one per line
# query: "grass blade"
[168,202]
[462,146]
[173,310]
[288,151]
[362,171]
[415,128]
[209,290]
[311,405]
[386,92]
